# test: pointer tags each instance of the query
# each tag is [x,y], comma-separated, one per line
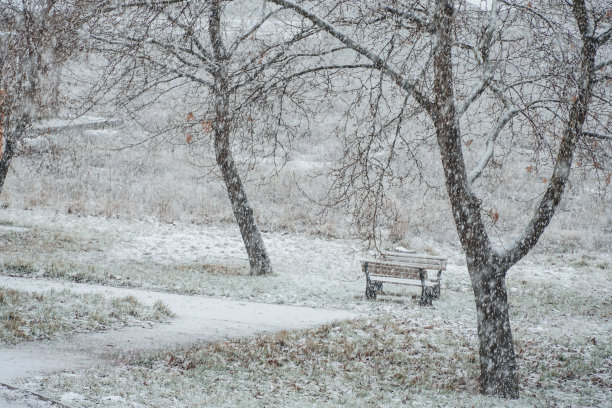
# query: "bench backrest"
[393,269]
[415,260]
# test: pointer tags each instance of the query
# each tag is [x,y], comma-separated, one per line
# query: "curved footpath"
[198,319]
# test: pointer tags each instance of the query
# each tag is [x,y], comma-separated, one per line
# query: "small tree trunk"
[7,153]
[497,359]
[256,250]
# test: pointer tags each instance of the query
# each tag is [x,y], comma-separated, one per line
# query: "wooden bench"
[406,269]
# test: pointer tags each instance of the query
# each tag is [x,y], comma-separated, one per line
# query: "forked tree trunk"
[487,267]
[497,359]
[253,242]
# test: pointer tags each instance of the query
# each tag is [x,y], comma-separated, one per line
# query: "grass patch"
[223,270]
[19,268]
[387,361]
[42,315]
[372,362]
[547,299]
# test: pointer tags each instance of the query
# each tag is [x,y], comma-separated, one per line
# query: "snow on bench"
[405,269]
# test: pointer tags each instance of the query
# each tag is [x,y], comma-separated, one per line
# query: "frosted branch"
[602,65]
[148,3]
[596,135]
[485,48]
[252,30]
[413,18]
[490,147]
[378,61]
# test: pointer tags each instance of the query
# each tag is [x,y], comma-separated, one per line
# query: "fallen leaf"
[190,116]
[494,215]
[189,138]
[608,179]
[544,180]
[469,142]
[529,169]
[207,126]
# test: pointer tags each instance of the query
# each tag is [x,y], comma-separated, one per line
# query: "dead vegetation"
[42,315]
[372,362]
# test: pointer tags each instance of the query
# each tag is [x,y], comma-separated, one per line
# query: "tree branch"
[413,18]
[602,65]
[148,3]
[378,62]
[490,147]
[487,41]
[252,30]
[576,118]
[596,135]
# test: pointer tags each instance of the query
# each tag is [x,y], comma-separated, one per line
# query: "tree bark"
[5,159]
[7,144]
[243,212]
[497,358]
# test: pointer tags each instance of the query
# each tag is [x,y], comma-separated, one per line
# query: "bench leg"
[436,289]
[370,291]
[426,297]
[378,286]
[435,292]
[426,292]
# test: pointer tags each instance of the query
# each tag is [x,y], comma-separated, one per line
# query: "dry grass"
[42,315]
[224,270]
[385,361]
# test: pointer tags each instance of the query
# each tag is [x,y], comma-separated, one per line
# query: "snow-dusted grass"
[43,315]
[560,314]
[383,361]
[183,258]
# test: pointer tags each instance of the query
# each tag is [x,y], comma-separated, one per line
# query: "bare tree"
[224,67]
[535,69]
[36,37]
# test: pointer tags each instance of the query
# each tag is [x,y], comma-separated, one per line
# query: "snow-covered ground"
[560,305]
[198,319]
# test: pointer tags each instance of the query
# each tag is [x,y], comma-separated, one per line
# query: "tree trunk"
[6,155]
[256,250]
[243,212]
[497,358]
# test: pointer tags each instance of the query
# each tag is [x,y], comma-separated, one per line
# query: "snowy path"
[198,319]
